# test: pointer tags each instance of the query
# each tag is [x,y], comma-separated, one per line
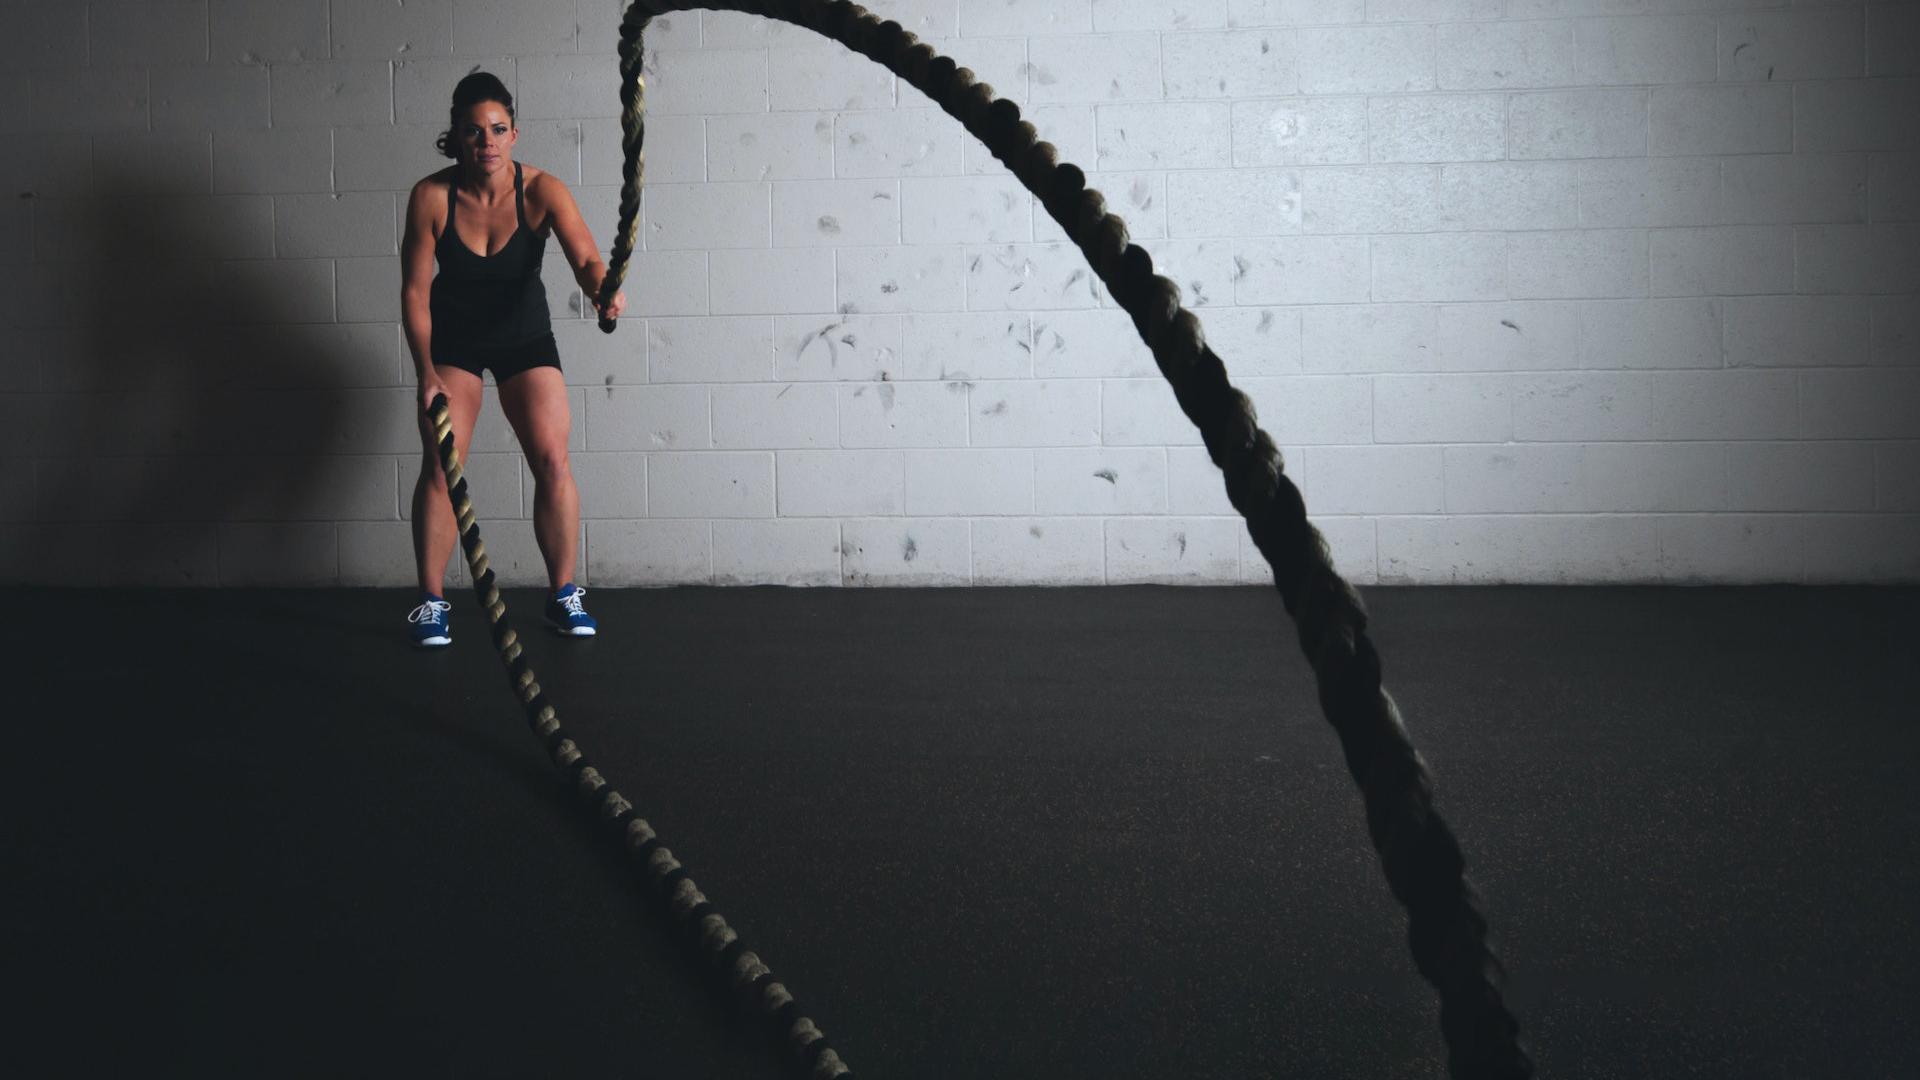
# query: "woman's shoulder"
[544,192]
[433,182]
[542,184]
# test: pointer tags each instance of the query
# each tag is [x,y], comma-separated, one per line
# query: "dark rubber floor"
[981,833]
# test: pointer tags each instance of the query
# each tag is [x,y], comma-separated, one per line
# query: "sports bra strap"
[520,196]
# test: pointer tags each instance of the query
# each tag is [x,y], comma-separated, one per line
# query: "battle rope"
[1423,863]
[749,976]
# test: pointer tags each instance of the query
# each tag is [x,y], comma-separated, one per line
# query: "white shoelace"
[428,611]
[572,602]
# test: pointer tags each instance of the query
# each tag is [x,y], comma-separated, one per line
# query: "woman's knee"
[431,472]
[548,463]
[430,454]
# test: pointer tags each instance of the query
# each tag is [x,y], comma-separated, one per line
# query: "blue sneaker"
[567,616]
[428,622]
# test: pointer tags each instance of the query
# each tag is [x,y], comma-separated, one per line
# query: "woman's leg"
[434,532]
[535,402]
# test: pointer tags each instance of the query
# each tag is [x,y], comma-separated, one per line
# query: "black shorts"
[506,361]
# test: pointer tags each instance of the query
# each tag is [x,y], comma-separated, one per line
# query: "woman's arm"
[577,242]
[416,286]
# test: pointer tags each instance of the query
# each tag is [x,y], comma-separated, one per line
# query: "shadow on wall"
[203,420]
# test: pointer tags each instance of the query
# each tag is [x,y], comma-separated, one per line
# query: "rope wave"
[1421,858]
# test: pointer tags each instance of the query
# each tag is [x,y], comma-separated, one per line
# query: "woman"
[485,220]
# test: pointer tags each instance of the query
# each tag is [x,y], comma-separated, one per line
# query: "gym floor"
[978,832]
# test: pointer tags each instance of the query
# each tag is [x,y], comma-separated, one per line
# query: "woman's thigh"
[463,410]
[535,402]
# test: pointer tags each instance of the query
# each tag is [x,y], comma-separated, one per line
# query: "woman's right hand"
[431,387]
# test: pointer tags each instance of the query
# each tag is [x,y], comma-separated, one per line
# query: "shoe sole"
[432,642]
[575,631]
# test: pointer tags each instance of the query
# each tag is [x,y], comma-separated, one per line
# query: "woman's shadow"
[203,419]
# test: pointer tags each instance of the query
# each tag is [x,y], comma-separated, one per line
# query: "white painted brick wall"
[777,552]
[331,94]
[765,146]
[1160,136]
[1528,290]
[1231,64]
[829,213]
[837,348]
[816,483]
[1103,480]
[1503,195]
[761,282]
[893,552]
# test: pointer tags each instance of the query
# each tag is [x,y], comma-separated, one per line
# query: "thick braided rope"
[1421,858]
[749,976]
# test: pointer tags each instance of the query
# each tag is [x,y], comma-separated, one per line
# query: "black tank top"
[489,301]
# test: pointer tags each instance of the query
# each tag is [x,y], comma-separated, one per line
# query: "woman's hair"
[470,91]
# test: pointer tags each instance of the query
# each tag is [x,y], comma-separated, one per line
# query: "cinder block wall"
[1529,290]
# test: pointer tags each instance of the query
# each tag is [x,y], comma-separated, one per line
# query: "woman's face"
[485,136]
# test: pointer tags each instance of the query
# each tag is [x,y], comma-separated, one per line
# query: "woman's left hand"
[612,310]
